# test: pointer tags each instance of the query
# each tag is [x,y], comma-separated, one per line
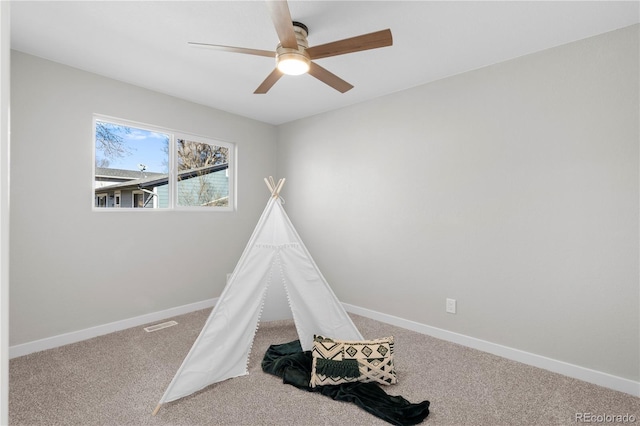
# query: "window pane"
[203,174]
[131,163]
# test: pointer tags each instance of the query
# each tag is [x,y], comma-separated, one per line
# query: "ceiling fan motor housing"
[295,61]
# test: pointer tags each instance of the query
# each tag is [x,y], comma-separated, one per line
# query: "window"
[150,168]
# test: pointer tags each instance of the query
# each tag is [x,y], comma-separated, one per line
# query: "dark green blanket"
[290,362]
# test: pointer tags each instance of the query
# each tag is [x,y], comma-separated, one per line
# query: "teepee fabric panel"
[222,349]
[316,310]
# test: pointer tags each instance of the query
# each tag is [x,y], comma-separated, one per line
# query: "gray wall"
[512,188]
[72,268]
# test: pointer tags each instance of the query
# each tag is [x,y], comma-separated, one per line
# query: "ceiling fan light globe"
[293,63]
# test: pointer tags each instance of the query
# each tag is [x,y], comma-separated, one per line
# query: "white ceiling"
[145,43]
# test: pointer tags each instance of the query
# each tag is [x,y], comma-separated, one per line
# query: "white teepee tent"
[274,261]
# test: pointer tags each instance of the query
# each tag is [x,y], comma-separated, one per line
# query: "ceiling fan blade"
[329,78]
[257,52]
[354,44]
[269,82]
[281,17]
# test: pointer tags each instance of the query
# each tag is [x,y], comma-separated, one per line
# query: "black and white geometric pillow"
[340,361]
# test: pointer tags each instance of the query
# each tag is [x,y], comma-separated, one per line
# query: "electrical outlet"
[451,306]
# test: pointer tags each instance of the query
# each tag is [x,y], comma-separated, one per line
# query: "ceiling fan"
[293,54]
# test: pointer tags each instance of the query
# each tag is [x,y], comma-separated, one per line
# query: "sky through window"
[124,147]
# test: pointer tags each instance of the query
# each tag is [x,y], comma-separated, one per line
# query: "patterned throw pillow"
[339,361]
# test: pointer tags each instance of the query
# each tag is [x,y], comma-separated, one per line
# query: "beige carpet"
[118,379]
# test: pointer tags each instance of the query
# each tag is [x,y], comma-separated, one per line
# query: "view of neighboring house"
[203,186]
[119,188]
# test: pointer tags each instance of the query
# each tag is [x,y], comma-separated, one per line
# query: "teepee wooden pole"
[279,187]
[156,410]
[271,188]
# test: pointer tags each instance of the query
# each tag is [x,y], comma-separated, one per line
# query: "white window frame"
[172,176]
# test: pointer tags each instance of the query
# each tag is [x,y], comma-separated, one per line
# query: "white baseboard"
[561,367]
[77,336]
